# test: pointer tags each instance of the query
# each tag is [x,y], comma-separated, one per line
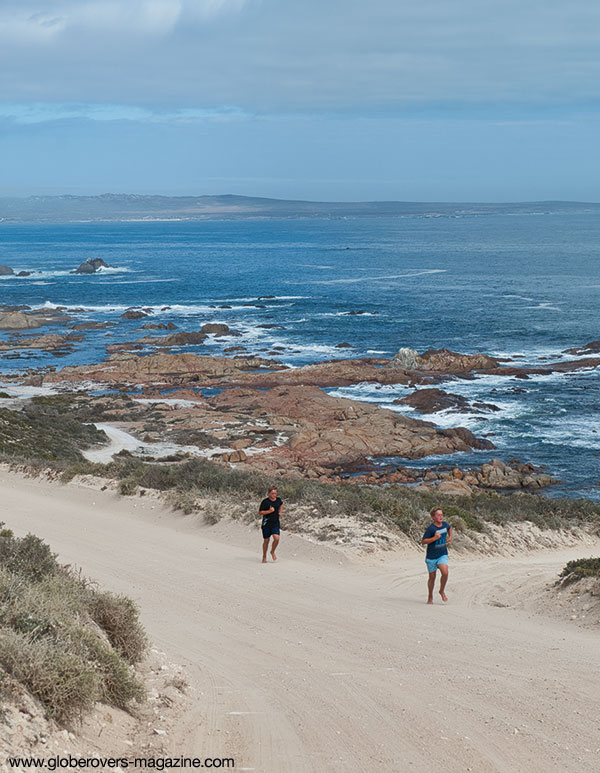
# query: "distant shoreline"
[134,208]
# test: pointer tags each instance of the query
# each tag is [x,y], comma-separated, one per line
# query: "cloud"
[45,112]
[35,21]
[381,57]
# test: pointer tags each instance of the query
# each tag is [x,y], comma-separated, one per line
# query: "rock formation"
[90,266]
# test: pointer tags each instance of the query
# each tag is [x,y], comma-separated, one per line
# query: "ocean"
[519,286]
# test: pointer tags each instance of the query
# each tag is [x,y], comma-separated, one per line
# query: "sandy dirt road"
[321,663]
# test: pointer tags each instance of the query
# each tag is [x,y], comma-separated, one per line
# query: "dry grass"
[68,643]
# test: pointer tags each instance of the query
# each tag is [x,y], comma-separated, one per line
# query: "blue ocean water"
[521,286]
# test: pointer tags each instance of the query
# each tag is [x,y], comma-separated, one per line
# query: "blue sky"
[447,100]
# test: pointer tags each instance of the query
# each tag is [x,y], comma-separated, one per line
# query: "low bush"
[37,439]
[64,640]
[67,686]
[582,567]
[118,617]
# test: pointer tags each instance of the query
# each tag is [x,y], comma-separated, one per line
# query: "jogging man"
[437,537]
[269,509]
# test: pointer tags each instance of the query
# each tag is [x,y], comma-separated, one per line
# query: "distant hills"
[123,207]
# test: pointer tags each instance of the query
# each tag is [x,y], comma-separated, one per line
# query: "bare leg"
[443,580]
[265,548]
[274,546]
[430,584]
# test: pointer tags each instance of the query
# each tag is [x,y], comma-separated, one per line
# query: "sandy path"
[318,663]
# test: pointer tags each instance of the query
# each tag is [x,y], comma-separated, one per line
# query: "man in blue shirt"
[437,537]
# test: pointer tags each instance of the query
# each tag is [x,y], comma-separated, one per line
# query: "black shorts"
[269,529]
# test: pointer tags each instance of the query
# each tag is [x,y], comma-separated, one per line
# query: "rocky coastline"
[260,414]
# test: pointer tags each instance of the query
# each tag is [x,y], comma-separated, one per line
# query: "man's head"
[272,494]
[437,515]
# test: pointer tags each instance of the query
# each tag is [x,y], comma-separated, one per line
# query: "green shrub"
[127,487]
[29,556]
[455,514]
[66,642]
[582,567]
[118,682]
[33,437]
[67,686]
[118,617]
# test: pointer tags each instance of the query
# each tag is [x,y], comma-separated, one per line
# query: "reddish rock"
[433,400]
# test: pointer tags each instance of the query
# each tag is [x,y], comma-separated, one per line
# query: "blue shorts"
[433,563]
[269,531]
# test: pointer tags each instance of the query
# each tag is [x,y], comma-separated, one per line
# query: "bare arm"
[429,540]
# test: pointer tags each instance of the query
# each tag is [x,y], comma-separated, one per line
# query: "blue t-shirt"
[437,548]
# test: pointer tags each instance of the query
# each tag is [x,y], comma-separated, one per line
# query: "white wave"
[367,392]
[257,299]
[377,351]
[53,273]
[349,314]
[157,309]
[573,432]
[373,278]
[316,348]
[545,305]
[143,281]
[518,297]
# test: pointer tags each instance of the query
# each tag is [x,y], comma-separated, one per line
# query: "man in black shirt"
[269,510]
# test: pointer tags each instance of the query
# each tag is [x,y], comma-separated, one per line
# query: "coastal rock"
[133,314]
[405,358]
[515,475]
[330,373]
[177,339]
[17,320]
[90,266]
[455,488]
[447,361]
[330,432]
[6,271]
[158,326]
[495,475]
[217,329]
[92,325]
[176,369]
[468,439]
[433,400]
[592,347]
[50,342]
[25,273]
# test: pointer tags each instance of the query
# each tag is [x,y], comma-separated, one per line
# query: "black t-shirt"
[272,518]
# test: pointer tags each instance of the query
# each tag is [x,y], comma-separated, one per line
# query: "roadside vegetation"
[68,643]
[579,569]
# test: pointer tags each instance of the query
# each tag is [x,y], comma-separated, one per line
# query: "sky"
[416,100]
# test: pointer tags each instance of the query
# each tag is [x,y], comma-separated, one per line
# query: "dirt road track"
[319,663]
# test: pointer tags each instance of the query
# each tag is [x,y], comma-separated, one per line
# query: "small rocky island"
[90,266]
